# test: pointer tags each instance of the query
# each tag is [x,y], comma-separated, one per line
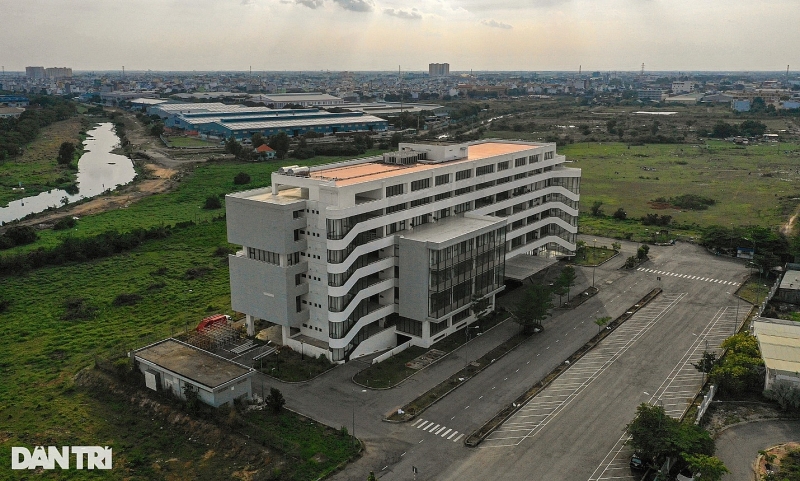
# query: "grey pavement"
[574,444]
[738,446]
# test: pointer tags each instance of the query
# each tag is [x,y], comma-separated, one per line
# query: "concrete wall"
[264,225]
[267,291]
[414,265]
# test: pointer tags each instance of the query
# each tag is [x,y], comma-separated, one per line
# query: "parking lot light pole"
[594,267]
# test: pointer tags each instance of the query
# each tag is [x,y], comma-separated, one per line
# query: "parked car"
[637,463]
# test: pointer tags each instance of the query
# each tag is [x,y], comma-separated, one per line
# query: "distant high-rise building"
[58,72]
[439,69]
[34,72]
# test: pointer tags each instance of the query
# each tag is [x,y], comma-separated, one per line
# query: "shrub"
[620,214]
[125,299]
[275,400]
[212,202]
[65,223]
[241,178]
[18,235]
[197,272]
[76,308]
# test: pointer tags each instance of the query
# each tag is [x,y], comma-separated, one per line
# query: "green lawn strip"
[424,401]
[183,204]
[754,290]
[393,371]
[592,256]
[290,366]
[489,426]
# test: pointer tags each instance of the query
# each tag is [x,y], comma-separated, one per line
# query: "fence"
[386,355]
[706,402]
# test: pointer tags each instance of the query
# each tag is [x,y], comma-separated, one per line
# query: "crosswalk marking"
[687,276]
[437,430]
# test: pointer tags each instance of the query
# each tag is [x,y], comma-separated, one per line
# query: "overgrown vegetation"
[43,111]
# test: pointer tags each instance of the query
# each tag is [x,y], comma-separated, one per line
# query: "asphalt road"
[581,439]
[738,446]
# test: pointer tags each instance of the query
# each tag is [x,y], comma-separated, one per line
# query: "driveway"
[738,446]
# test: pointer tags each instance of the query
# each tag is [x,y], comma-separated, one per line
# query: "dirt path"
[161,182]
[788,228]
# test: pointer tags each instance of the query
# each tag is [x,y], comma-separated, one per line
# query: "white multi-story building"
[368,254]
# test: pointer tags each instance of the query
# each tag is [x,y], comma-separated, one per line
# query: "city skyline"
[379,35]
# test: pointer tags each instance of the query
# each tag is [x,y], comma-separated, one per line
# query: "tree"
[567,278]
[258,140]
[596,209]
[707,468]
[641,252]
[280,144]
[752,128]
[741,369]
[157,129]
[65,153]
[232,146]
[706,363]
[601,321]
[581,247]
[371,476]
[657,436]
[620,214]
[722,130]
[533,308]
[479,306]
[192,398]
[275,400]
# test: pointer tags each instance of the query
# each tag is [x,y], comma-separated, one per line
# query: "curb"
[456,386]
[505,414]
[352,379]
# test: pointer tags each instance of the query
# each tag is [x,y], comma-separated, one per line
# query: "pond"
[98,170]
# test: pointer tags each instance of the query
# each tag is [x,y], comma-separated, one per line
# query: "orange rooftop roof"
[355,174]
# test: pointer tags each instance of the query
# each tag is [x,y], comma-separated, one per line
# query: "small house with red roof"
[264,151]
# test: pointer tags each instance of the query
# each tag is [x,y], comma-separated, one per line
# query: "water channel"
[98,170]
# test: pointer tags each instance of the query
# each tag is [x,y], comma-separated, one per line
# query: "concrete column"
[274,189]
[249,322]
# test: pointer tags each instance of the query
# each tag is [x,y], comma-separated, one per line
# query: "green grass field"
[37,168]
[752,185]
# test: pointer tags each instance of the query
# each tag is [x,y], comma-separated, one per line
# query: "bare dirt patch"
[771,460]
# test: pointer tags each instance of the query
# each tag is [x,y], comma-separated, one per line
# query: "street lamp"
[594,267]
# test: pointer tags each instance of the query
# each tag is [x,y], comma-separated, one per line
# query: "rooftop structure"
[368,254]
[439,69]
[311,99]
[779,341]
[171,364]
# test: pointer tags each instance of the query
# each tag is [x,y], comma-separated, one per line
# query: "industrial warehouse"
[217,120]
[364,255]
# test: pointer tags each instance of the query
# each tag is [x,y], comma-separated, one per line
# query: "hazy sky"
[382,34]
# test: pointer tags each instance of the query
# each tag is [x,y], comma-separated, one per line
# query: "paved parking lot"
[677,391]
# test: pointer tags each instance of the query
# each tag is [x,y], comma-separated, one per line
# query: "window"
[520,162]
[484,169]
[460,316]
[409,326]
[422,201]
[437,327]
[396,208]
[534,158]
[463,207]
[393,190]
[442,179]
[463,190]
[549,155]
[502,166]
[444,195]
[420,184]
[463,174]
[263,256]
